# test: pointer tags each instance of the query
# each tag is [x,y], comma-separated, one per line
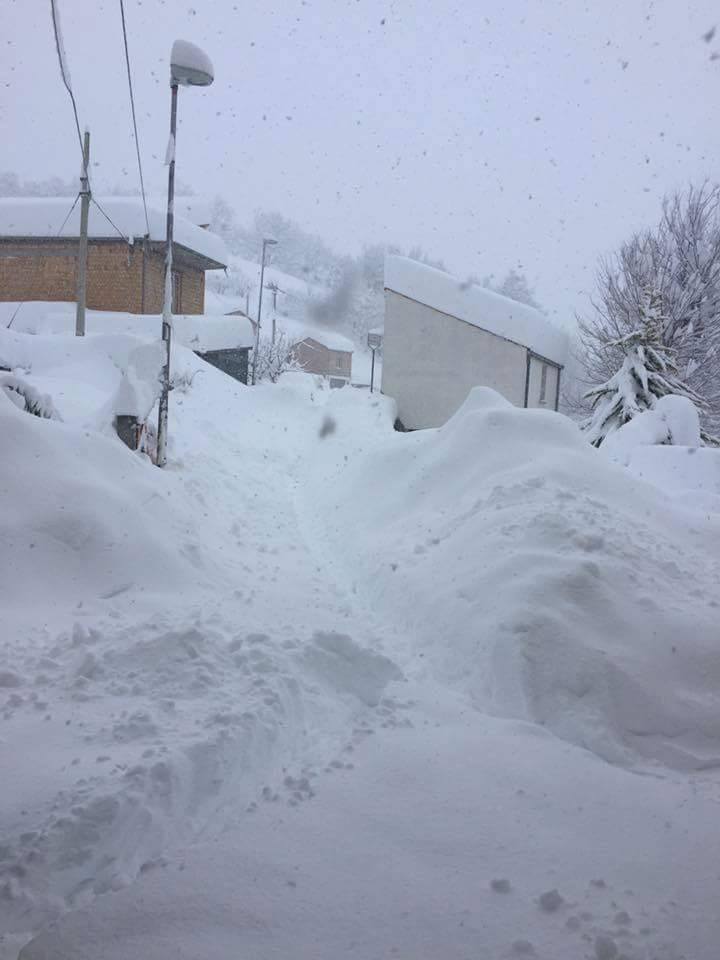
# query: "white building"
[443,337]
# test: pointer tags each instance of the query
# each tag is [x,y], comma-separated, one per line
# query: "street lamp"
[265,245]
[189,67]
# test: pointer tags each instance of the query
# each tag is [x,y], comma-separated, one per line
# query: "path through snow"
[292,752]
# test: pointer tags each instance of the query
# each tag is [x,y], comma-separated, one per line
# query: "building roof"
[299,330]
[477,306]
[200,332]
[42,217]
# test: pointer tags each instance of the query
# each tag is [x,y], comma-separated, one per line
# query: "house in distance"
[326,354]
[126,261]
[443,337]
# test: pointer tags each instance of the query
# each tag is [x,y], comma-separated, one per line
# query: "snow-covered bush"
[27,398]
[673,421]
[275,357]
[647,373]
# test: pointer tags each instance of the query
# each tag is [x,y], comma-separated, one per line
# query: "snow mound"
[140,385]
[79,513]
[673,421]
[547,583]
[691,474]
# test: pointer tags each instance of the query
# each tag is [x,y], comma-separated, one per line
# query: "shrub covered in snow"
[275,357]
[673,421]
[648,372]
[27,397]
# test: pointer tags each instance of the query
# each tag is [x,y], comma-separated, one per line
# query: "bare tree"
[275,357]
[680,260]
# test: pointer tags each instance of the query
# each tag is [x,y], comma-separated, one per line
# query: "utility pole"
[82,251]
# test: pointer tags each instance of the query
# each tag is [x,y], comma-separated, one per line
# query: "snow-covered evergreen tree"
[648,372]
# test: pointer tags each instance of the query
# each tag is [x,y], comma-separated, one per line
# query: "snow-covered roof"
[298,331]
[199,332]
[197,210]
[476,305]
[43,217]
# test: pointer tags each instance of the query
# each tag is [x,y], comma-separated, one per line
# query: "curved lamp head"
[190,66]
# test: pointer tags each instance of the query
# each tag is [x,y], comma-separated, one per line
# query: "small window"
[543,383]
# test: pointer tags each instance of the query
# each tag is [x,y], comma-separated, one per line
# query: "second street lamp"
[265,245]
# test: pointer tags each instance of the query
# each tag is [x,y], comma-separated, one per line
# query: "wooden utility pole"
[82,251]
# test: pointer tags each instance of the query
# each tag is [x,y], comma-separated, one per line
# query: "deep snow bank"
[548,583]
[80,517]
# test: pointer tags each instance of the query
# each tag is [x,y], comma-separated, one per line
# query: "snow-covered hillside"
[319,689]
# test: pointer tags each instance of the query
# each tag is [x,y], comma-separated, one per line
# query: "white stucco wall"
[431,361]
[535,386]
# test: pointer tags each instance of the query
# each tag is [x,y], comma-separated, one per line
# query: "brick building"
[38,255]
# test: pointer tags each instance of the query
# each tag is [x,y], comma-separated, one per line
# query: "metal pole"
[257,329]
[82,251]
[167,302]
[372,371]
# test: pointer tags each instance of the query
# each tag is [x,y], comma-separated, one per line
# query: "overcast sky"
[494,133]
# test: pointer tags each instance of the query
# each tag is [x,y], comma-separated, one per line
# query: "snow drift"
[79,514]
[548,583]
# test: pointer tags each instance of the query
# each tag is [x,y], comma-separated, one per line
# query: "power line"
[64,72]
[134,118]
[62,227]
[111,222]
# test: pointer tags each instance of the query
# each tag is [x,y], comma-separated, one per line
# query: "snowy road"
[373,718]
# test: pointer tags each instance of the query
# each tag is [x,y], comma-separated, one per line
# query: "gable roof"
[477,306]
[42,217]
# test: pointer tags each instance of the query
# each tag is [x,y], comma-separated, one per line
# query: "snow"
[672,420]
[690,474]
[200,332]
[139,388]
[321,689]
[299,330]
[476,305]
[43,216]
[543,624]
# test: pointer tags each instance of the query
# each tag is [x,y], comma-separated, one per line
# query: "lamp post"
[189,67]
[265,245]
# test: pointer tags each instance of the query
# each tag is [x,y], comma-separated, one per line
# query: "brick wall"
[114,276]
[28,278]
[193,290]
